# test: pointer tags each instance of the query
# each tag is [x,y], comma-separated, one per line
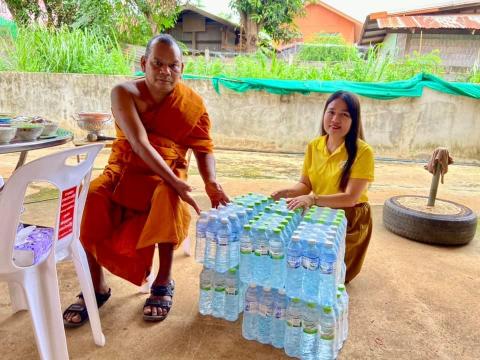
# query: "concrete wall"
[403,128]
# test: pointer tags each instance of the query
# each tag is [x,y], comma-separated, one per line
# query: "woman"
[337,168]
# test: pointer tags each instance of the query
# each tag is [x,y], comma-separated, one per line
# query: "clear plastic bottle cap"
[224,220]
[282,291]
[267,288]
[311,241]
[252,285]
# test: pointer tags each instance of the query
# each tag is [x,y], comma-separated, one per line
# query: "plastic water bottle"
[201,237]
[328,285]
[206,291]
[224,239]
[250,313]
[219,295]
[211,241]
[246,254]
[310,322]
[345,300]
[294,270]
[241,296]
[279,316]
[310,271]
[338,309]
[326,342]
[235,240]
[265,315]
[261,269]
[293,330]
[277,260]
[231,295]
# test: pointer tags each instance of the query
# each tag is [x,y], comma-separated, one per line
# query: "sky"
[358,9]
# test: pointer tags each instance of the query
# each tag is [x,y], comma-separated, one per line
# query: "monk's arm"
[206,167]
[127,118]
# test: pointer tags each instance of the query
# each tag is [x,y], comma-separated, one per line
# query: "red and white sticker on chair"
[67,210]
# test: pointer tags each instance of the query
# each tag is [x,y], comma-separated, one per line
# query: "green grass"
[38,49]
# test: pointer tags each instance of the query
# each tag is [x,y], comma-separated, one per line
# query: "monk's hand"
[277,195]
[184,190]
[216,194]
[303,201]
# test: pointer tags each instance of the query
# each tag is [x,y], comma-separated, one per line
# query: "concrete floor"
[411,300]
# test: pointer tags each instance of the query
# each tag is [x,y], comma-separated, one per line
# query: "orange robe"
[129,208]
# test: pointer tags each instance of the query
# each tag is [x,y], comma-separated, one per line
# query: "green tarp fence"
[378,90]
[8,27]
[383,91]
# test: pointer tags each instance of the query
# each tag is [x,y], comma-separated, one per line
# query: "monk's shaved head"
[164,39]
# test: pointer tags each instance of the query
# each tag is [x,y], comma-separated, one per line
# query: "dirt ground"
[411,300]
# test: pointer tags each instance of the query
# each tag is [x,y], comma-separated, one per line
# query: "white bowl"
[50,129]
[7,134]
[29,131]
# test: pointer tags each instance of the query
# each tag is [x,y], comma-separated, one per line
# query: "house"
[200,30]
[4,12]
[452,29]
[320,17]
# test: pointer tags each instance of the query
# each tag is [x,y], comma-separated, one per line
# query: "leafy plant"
[327,47]
[38,49]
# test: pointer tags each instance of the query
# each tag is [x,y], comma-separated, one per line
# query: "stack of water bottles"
[284,271]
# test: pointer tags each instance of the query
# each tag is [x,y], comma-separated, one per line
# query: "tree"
[24,11]
[273,16]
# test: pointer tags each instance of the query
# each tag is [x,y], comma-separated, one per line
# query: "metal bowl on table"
[94,123]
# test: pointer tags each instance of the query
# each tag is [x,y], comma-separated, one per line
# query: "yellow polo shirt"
[324,169]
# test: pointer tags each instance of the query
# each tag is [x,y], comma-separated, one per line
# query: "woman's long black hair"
[355,132]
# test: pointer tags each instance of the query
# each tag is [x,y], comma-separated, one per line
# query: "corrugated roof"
[470,22]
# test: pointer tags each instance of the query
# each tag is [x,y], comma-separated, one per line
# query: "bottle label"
[327,267]
[246,250]
[265,310]
[294,322]
[231,290]
[280,313]
[277,256]
[294,261]
[250,306]
[327,332]
[261,251]
[310,330]
[223,240]
[310,263]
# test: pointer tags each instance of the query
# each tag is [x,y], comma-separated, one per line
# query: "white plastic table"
[23,147]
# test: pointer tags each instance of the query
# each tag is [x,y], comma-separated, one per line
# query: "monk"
[142,198]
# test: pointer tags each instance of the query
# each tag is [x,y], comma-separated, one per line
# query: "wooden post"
[434,185]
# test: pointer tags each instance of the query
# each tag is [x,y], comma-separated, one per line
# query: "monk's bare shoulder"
[127,88]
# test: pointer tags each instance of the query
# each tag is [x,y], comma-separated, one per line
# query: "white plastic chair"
[35,287]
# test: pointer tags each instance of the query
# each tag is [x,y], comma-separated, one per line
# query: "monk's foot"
[159,303]
[76,314]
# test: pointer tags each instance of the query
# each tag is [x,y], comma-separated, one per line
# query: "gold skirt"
[359,232]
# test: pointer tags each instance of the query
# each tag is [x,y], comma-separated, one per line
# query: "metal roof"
[470,22]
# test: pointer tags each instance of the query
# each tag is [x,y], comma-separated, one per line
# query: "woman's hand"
[303,201]
[216,194]
[183,190]
[277,195]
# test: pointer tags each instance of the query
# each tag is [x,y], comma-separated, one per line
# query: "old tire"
[452,229]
